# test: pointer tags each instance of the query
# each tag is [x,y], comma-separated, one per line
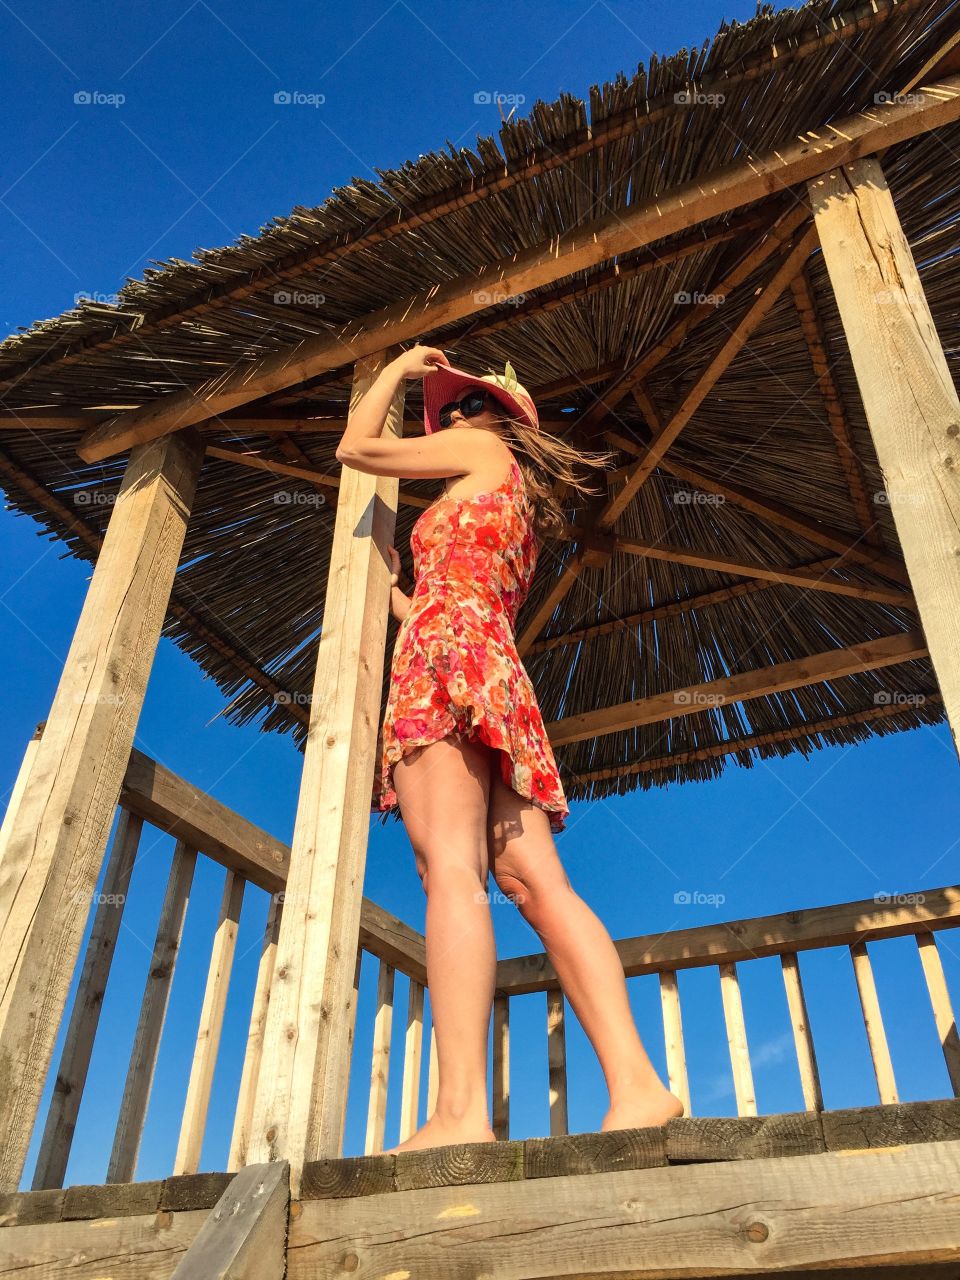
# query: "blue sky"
[197,153]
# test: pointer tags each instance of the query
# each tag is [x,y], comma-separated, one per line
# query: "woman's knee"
[536,897]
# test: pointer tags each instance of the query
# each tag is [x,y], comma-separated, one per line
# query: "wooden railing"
[257,862]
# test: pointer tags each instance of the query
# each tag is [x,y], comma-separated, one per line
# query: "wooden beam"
[807,929]
[796,674]
[908,393]
[56,848]
[625,230]
[245,1235]
[301,1088]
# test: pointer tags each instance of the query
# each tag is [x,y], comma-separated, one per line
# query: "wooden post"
[301,1086]
[59,835]
[908,394]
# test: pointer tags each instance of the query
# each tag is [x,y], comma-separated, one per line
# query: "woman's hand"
[419,361]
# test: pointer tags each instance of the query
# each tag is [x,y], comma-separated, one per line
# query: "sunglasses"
[471,404]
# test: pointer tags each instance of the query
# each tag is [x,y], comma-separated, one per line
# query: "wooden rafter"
[199,629]
[780,677]
[750,742]
[625,230]
[812,330]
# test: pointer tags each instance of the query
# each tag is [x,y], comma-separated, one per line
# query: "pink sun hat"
[447,383]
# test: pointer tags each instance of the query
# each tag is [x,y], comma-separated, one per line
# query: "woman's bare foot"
[643,1110]
[438,1132]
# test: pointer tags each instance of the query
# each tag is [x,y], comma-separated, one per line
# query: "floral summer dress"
[455,662]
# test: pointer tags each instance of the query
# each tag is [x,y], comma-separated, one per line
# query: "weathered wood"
[57,843]
[737,1039]
[677,1079]
[19,786]
[791,1133]
[595,1152]
[350,1022]
[873,1022]
[77,1049]
[802,1035]
[143,1247]
[803,929]
[111,1200]
[942,1007]
[185,811]
[243,1117]
[433,1071]
[412,1057]
[200,1083]
[459,1164]
[936,1120]
[829,1210]
[193,1191]
[153,1009]
[557,1064]
[245,1235]
[380,1067]
[500,1119]
[350,1176]
[300,1091]
[390,939]
[707,197]
[908,393]
[814,668]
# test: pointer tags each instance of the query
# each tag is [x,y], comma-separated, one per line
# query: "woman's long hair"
[547,463]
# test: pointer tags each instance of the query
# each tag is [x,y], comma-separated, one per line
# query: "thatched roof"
[775,470]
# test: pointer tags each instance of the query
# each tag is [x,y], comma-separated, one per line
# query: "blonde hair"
[545,461]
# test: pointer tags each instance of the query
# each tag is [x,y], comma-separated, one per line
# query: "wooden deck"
[871,1190]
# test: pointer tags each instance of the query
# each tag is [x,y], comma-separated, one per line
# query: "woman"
[463,749]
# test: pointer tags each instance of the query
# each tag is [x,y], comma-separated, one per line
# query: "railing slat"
[873,1021]
[253,1053]
[194,1122]
[433,1072]
[380,1067]
[673,1039]
[737,1040]
[501,1067]
[802,1035]
[146,1042]
[557,1063]
[942,1008]
[74,1063]
[351,1016]
[410,1097]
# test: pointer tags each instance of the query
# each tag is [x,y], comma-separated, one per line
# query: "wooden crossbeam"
[245,1234]
[779,678]
[624,230]
[850,464]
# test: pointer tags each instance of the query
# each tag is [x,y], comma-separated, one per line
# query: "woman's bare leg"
[527,868]
[443,791]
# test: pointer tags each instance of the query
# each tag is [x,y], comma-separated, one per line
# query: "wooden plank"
[185,811]
[350,1020]
[458,1164]
[412,1053]
[737,1039]
[908,393]
[791,1133]
[245,1234]
[19,786]
[390,939]
[942,1008]
[873,1022]
[595,1152]
[802,1034]
[557,1064]
[144,1247]
[500,1118]
[828,1210]
[122,1165]
[433,1071]
[625,230]
[803,929]
[58,840]
[677,1080]
[300,1092]
[933,1120]
[243,1116]
[380,1067]
[200,1083]
[797,673]
[77,1049]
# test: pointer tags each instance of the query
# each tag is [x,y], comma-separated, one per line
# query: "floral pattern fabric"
[455,666]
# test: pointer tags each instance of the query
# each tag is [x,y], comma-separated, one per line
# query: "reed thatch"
[249,593]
